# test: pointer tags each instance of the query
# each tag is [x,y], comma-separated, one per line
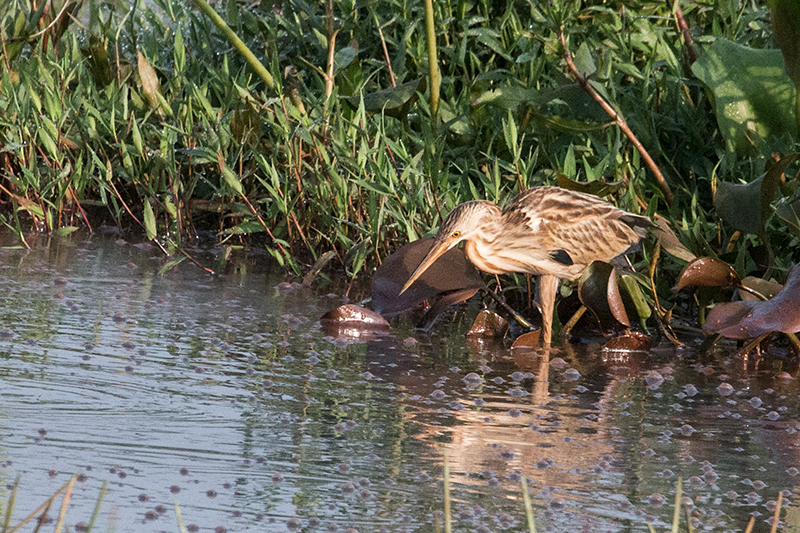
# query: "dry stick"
[777,513]
[385,52]
[261,220]
[683,27]
[45,505]
[65,504]
[618,119]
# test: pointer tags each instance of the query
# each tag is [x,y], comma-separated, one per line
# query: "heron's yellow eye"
[456,234]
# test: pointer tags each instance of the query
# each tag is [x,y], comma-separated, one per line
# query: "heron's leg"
[548,285]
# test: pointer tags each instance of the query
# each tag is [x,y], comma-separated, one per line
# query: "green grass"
[321,154]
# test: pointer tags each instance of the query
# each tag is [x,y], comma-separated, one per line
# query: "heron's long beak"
[438,249]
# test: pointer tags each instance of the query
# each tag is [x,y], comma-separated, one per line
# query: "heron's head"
[463,223]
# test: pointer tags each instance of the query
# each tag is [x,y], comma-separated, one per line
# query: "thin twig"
[386,53]
[618,119]
[684,29]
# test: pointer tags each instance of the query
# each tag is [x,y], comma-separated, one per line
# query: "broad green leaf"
[387,99]
[151,87]
[149,221]
[245,228]
[584,61]
[786,28]
[66,230]
[171,263]
[754,98]
[179,52]
[344,57]
[631,288]
[745,207]
[231,179]
[491,39]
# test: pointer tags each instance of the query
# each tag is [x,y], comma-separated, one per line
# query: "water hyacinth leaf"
[754,97]
[488,324]
[149,221]
[767,289]
[745,207]
[790,214]
[354,321]
[527,341]
[355,315]
[707,272]
[599,292]
[786,28]
[632,341]
[451,272]
[750,319]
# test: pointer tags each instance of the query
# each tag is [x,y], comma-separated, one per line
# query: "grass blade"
[528,507]
[97,506]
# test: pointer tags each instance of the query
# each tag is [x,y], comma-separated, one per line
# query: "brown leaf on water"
[707,272]
[355,316]
[527,341]
[750,319]
[599,292]
[765,288]
[631,342]
[450,273]
[488,324]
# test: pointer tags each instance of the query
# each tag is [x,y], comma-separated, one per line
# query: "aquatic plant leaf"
[754,97]
[393,98]
[745,207]
[750,319]
[790,214]
[245,228]
[149,221]
[447,299]
[599,292]
[150,84]
[171,263]
[632,341]
[488,324]
[707,272]
[597,188]
[451,272]
[65,230]
[670,243]
[355,316]
[527,341]
[767,289]
[631,288]
[786,30]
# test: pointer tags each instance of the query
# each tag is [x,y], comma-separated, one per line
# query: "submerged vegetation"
[362,132]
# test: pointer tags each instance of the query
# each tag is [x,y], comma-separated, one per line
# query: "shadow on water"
[224,394]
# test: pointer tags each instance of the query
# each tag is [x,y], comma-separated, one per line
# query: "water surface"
[224,394]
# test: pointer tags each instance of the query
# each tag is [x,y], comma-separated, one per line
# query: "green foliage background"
[185,137]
